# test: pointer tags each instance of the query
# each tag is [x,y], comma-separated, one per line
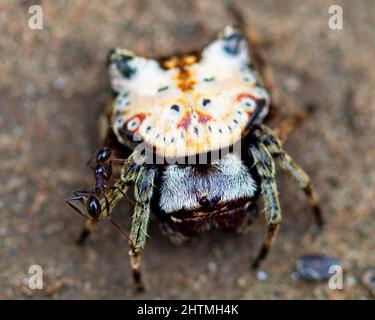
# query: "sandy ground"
[53,87]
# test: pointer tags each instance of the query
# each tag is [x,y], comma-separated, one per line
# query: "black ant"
[101,178]
[93,206]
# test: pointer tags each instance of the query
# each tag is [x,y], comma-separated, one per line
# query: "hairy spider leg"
[143,178]
[266,170]
[298,175]
[90,224]
[263,152]
[143,191]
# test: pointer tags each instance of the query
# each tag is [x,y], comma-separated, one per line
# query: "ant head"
[103,155]
[93,207]
[99,170]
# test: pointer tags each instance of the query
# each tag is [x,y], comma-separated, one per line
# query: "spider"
[200,153]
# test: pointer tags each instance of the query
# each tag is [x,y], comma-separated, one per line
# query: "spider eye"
[93,208]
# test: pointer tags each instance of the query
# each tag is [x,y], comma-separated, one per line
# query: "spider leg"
[304,182]
[143,193]
[266,169]
[289,124]
[116,192]
[294,171]
[128,175]
[90,223]
[124,194]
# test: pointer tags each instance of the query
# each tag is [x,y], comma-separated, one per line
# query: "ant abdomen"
[93,207]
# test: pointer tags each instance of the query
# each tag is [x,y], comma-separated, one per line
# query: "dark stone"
[315,267]
[369,281]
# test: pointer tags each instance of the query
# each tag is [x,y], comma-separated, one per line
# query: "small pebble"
[369,281]
[294,276]
[350,280]
[242,282]
[212,267]
[315,267]
[59,84]
[3,231]
[261,275]
[292,84]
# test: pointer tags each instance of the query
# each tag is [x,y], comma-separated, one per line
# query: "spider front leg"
[294,171]
[266,170]
[303,180]
[143,193]
[109,199]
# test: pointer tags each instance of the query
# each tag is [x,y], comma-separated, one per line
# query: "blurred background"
[53,86]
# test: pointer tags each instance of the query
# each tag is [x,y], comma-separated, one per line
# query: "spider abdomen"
[193,198]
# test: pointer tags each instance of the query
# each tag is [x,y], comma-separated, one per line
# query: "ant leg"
[82,191]
[143,193]
[123,194]
[303,180]
[89,163]
[252,213]
[118,161]
[85,233]
[289,124]
[75,208]
[266,170]
[121,161]
[107,206]
[109,174]
[89,223]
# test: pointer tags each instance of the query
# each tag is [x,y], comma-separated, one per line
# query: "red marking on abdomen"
[185,121]
[203,117]
[140,117]
[245,95]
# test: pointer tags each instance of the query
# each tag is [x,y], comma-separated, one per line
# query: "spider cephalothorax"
[208,107]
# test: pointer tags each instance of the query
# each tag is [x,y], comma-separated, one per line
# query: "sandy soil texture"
[53,86]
